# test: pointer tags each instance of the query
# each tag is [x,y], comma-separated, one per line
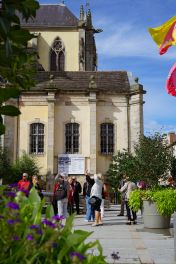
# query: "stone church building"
[76,117]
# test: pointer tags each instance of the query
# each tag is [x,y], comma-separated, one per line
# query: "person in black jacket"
[77,189]
[90,214]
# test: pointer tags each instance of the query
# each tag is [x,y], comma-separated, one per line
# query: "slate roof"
[114,81]
[52,16]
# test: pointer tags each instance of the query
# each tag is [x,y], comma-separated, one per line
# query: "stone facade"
[78,95]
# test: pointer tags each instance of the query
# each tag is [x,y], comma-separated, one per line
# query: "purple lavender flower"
[1,217]
[13,185]
[29,237]
[15,238]
[11,194]
[48,223]
[57,217]
[13,205]
[26,192]
[39,232]
[37,229]
[11,222]
[78,255]
[54,245]
[34,227]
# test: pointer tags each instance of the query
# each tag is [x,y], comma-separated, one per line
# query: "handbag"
[93,200]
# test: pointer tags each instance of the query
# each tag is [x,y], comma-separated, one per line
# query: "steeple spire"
[89,18]
[87,5]
[81,13]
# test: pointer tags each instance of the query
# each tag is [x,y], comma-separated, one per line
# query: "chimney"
[171,137]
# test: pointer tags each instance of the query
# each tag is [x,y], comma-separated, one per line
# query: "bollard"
[175,236]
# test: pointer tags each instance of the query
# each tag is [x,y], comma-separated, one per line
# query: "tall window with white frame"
[57,56]
[107,138]
[72,138]
[37,138]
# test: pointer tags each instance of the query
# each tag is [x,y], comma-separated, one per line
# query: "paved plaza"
[135,244]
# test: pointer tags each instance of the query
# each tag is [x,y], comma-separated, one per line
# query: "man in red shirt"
[24,183]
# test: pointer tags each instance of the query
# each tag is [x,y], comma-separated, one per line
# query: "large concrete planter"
[152,219]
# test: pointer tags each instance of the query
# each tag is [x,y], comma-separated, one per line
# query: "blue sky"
[125,44]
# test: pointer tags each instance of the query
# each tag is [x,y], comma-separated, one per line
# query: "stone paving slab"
[135,244]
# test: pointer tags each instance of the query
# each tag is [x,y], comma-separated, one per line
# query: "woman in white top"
[96,191]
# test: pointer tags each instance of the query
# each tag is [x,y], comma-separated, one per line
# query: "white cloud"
[127,40]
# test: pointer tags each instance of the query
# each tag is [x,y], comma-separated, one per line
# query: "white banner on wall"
[71,163]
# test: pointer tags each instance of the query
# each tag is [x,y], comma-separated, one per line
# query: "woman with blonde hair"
[35,183]
[96,192]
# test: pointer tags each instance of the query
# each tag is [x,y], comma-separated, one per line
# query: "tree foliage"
[26,163]
[16,64]
[151,160]
[5,165]
[122,163]
[11,173]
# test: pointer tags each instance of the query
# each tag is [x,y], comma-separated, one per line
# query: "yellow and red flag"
[164,35]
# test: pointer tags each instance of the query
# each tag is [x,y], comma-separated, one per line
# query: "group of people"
[66,196]
[25,184]
[67,190]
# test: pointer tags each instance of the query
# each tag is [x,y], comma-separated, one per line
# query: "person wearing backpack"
[61,188]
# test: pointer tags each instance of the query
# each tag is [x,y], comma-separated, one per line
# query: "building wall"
[76,108]
[112,108]
[71,43]
[135,118]
[32,111]
[72,109]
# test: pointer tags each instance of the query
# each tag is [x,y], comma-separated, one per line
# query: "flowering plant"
[28,238]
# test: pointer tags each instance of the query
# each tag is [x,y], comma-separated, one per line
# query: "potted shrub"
[157,204]
[151,160]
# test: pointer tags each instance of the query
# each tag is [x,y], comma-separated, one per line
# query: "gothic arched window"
[107,138]
[37,138]
[72,138]
[57,56]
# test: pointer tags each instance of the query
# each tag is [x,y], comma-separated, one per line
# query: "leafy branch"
[17,65]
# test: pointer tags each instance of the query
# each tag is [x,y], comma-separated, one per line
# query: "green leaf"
[7,93]
[49,211]
[9,110]
[2,129]
[77,237]
[20,36]
[34,197]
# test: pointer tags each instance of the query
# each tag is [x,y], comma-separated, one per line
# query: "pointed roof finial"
[81,13]
[87,5]
[89,18]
